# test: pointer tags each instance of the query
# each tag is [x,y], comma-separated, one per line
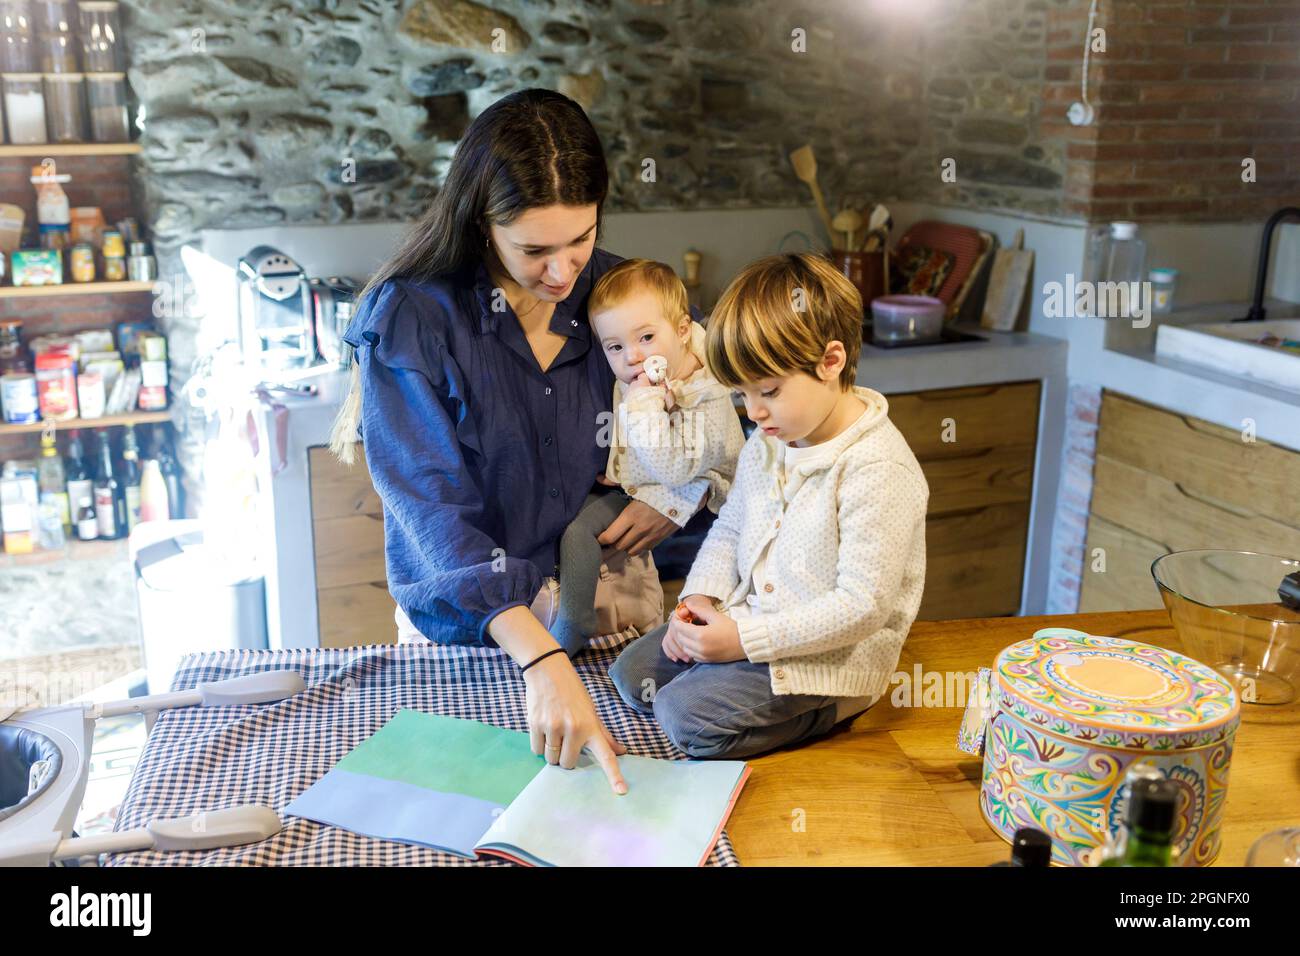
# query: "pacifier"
[655,368]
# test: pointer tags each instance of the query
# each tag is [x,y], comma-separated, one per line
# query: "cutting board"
[1008,281]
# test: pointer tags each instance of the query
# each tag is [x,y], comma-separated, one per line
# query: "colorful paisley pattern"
[1056,752]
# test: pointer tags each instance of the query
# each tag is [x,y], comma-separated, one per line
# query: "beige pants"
[629,601]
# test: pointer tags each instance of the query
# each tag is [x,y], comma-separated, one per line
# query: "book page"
[671,815]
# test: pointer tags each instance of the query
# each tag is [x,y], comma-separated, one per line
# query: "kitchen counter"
[894,790]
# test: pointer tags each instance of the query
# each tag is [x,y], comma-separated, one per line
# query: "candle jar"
[100,37]
[65,97]
[106,94]
[24,108]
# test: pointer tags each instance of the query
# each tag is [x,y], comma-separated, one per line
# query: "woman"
[481,399]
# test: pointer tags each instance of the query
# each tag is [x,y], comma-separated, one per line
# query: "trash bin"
[191,598]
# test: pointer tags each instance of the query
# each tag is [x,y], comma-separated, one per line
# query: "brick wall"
[1185,91]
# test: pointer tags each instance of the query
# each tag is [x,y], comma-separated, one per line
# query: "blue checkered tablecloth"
[214,758]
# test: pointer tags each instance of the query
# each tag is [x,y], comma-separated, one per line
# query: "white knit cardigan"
[847,564]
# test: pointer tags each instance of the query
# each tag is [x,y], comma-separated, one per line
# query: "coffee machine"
[277,330]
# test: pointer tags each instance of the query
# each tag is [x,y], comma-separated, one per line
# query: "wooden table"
[894,790]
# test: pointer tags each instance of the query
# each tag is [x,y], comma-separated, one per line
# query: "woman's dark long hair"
[529,149]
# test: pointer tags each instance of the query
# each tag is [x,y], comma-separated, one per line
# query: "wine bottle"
[77,473]
[171,473]
[131,477]
[110,500]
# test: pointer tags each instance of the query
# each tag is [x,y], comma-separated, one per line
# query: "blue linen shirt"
[481,458]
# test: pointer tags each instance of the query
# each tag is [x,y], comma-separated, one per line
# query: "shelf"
[74,549]
[106,421]
[72,149]
[74,288]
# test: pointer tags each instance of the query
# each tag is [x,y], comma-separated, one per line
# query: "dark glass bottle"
[110,497]
[171,473]
[1149,839]
[131,476]
[1030,847]
[77,474]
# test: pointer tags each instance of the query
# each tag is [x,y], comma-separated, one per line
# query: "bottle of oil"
[53,481]
[1030,847]
[1149,839]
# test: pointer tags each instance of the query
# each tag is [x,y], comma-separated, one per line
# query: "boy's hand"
[695,603]
[716,641]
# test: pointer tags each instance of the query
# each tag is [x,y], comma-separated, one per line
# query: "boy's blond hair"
[633,275]
[778,316]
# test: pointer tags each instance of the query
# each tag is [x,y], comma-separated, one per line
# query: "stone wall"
[335,111]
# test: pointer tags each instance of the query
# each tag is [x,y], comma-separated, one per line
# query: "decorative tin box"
[1066,714]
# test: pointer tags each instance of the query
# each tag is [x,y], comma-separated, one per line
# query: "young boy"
[796,608]
[673,426]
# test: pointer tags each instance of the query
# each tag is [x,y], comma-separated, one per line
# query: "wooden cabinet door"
[352,597]
[976,447]
[1167,482]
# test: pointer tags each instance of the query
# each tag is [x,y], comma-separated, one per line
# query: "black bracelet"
[541,657]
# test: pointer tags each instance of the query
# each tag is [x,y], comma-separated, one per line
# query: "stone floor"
[68,620]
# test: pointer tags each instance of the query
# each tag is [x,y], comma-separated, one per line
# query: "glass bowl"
[1227,611]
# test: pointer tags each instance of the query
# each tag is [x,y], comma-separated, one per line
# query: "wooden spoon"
[805,168]
[847,221]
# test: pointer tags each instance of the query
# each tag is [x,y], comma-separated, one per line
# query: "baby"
[674,429]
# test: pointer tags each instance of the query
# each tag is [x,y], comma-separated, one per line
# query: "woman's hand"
[562,720]
[639,528]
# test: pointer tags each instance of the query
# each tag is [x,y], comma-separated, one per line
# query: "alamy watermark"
[1102,300]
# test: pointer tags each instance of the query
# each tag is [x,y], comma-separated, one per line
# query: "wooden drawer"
[352,598]
[1166,482]
[983,417]
[981,489]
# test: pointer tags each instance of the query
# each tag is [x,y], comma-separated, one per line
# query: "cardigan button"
[778,522]
[779,673]
[631,489]
[768,587]
[672,512]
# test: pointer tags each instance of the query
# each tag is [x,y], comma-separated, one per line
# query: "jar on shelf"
[54,16]
[65,99]
[101,35]
[82,262]
[106,94]
[24,108]
[17,43]
[58,52]
[56,386]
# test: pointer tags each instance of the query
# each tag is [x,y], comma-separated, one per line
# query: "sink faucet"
[1256,313]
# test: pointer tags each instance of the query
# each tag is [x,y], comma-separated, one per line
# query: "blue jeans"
[723,711]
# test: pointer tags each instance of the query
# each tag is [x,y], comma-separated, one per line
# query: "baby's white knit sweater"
[667,459]
[846,566]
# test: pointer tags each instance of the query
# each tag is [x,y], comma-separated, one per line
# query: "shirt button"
[548,390]
[574,323]
[766,587]
[555,492]
[547,440]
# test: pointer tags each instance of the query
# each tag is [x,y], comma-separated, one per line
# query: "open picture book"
[472,789]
